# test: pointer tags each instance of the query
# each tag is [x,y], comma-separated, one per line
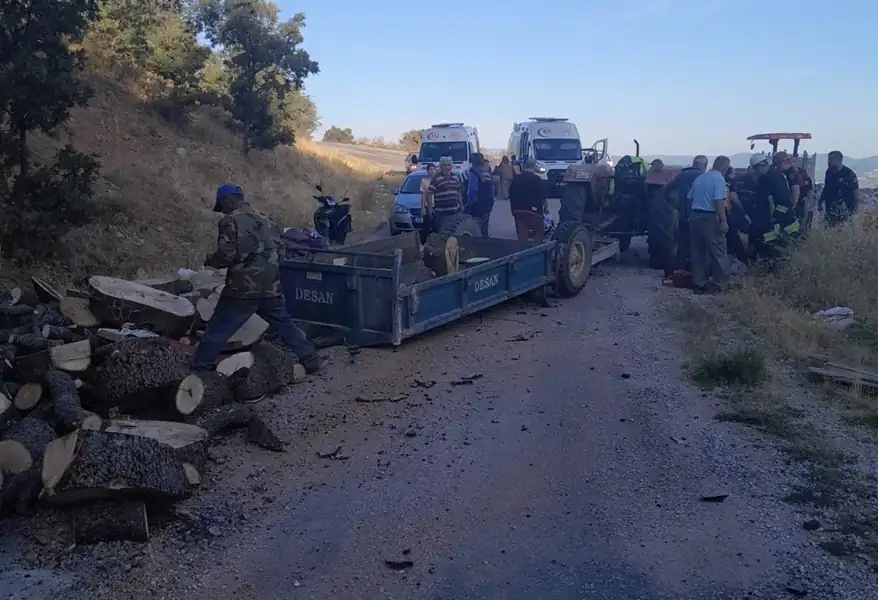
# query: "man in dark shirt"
[444,193]
[752,194]
[527,201]
[681,185]
[783,212]
[840,194]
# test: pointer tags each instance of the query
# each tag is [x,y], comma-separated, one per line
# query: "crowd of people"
[443,196]
[772,203]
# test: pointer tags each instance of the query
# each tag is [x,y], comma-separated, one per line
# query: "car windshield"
[433,151]
[550,150]
[412,183]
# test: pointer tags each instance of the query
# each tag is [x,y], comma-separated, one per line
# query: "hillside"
[157,184]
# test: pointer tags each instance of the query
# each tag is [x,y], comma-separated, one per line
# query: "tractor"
[806,162]
[623,201]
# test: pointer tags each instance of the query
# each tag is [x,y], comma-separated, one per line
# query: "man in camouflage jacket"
[249,246]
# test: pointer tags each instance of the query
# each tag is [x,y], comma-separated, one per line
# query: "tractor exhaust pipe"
[636,148]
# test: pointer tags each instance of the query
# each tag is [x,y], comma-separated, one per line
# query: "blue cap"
[227,189]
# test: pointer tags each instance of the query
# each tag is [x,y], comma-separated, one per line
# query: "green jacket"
[249,245]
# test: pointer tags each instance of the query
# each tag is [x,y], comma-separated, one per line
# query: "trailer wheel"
[461,225]
[575,247]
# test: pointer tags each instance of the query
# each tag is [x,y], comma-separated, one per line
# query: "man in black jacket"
[527,201]
[840,190]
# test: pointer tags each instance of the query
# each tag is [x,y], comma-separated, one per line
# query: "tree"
[39,85]
[338,135]
[411,139]
[264,59]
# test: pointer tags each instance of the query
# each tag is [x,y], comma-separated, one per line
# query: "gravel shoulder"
[573,465]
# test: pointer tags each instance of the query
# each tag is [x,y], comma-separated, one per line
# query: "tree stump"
[441,254]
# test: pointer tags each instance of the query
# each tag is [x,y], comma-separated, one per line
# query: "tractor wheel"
[575,247]
[461,225]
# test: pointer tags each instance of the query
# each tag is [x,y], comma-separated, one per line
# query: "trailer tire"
[575,247]
[461,225]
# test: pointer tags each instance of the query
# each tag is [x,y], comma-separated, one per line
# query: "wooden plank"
[604,249]
[858,369]
[843,377]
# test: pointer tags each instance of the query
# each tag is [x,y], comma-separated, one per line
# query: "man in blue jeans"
[480,193]
[249,246]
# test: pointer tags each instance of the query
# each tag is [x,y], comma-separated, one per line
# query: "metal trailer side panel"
[431,304]
[360,302]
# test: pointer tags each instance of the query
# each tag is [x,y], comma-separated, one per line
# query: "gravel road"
[561,454]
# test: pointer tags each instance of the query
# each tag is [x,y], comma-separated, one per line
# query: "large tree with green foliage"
[339,135]
[265,63]
[39,85]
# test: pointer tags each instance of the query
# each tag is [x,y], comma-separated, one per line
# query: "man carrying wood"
[248,246]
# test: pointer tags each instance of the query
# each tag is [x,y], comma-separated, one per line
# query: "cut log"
[24,445]
[268,370]
[32,368]
[21,455]
[28,396]
[9,389]
[239,415]
[118,301]
[99,465]
[31,342]
[248,334]
[441,254]
[117,335]
[56,332]
[45,292]
[203,391]
[50,315]
[176,287]
[188,441]
[78,311]
[76,293]
[138,372]
[110,522]
[6,405]
[7,359]
[66,403]
[74,357]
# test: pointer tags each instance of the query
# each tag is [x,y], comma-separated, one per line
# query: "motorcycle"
[332,219]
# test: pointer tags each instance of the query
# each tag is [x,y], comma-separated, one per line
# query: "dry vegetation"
[157,183]
[756,361]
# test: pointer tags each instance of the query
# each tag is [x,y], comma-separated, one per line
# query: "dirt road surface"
[561,454]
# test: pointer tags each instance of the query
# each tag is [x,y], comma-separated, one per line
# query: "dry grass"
[334,156]
[837,267]
[157,185]
[833,267]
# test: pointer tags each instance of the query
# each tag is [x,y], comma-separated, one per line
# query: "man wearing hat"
[753,195]
[248,246]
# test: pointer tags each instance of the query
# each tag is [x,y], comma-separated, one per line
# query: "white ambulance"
[555,145]
[456,140]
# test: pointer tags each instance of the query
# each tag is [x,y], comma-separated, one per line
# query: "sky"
[681,76]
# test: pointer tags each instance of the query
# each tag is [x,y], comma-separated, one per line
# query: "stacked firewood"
[99,408]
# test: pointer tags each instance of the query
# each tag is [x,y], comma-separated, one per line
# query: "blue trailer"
[374,293]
